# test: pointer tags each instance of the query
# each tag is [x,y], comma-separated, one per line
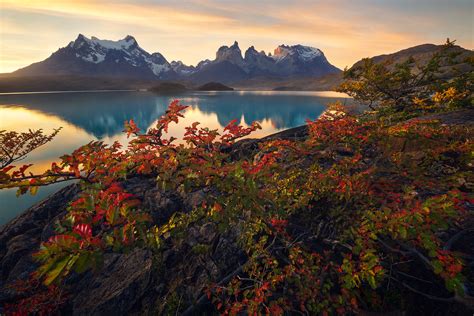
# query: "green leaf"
[403,232]
[53,274]
[371,280]
[82,263]
[437,266]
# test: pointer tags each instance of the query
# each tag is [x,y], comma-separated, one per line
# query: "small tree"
[410,86]
[15,146]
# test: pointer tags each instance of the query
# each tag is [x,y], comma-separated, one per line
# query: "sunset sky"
[346,30]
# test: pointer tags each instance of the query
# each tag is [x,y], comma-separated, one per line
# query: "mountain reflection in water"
[87,116]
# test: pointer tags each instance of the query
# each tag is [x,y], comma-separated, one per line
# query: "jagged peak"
[81,36]
[251,51]
[129,38]
[230,53]
[233,46]
[203,62]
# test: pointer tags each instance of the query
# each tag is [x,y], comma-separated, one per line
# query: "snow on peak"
[118,45]
[305,53]
[281,52]
[94,49]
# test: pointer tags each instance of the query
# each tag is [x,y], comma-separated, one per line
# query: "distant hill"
[168,87]
[423,53]
[214,86]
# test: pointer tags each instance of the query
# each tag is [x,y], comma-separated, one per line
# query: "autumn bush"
[361,215]
[402,90]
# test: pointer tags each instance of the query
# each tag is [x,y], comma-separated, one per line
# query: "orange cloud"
[193,30]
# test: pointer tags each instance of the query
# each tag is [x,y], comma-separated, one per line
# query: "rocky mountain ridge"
[124,58]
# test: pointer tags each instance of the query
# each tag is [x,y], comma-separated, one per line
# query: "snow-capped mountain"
[94,56]
[125,58]
[181,69]
[287,61]
[302,60]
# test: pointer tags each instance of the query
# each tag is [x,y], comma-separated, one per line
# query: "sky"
[345,30]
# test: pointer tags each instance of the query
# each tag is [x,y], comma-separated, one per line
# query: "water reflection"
[90,116]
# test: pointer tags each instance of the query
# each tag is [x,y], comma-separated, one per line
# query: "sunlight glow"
[193,30]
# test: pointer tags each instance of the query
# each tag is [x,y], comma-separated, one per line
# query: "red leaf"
[84,230]
[6,169]
[114,188]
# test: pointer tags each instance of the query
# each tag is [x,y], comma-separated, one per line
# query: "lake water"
[86,116]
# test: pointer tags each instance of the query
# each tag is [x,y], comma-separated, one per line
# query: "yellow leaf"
[33,190]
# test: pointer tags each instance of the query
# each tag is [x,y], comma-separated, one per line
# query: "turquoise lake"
[86,116]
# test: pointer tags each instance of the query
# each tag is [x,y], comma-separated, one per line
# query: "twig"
[456,237]
[191,310]
[413,277]
[436,298]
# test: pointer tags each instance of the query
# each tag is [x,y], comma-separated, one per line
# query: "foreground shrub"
[352,218]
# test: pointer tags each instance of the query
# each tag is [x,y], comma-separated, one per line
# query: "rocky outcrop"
[121,284]
[21,236]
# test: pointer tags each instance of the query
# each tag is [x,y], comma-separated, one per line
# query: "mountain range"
[126,59]
[94,64]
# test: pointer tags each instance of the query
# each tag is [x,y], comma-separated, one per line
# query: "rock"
[22,235]
[117,287]
[344,151]
[207,233]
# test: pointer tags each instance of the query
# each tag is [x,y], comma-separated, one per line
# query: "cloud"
[193,30]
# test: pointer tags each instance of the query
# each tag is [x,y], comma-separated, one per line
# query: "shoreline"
[240,91]
[65,91]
